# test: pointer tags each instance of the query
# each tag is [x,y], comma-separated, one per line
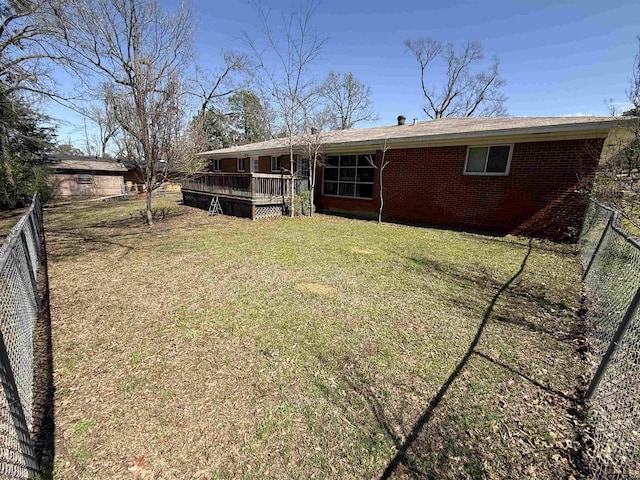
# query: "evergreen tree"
[23,141]
[245,120]
[249,117]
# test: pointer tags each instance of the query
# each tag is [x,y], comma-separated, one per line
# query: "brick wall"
[230,165]
[103,184]
[538,198]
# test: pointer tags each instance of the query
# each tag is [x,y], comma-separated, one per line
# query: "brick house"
[523,176]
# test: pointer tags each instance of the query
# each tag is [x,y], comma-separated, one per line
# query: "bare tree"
[311,146]
[25,61]
[102,115]
[383,164]
[618,176]
[210,89]
[212,86]
[26,45]
[141,52]
[294,46]
[465,93]
[348,100]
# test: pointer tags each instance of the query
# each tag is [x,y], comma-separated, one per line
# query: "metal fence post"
[629,315]
[612,217]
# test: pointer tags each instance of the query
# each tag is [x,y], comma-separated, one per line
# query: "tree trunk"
[4,151]
[381,196]
[149,211]
[150,182]
[312,188]
[312,183]
[293,182]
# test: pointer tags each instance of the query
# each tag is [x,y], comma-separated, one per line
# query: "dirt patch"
[362,251]
[317,288]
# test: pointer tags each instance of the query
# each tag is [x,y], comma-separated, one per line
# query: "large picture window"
[348,176]
[493,160]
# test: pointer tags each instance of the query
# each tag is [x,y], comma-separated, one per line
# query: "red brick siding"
[227,165]
[264,165]
[537,198]
[230,165]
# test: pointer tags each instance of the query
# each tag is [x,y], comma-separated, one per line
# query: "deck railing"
[245,185]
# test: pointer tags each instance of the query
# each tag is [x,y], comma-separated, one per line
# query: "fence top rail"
[615,226]
[624,234]
[603,205]
[14,233]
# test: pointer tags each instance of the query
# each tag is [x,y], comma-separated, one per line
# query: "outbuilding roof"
[69,162]
[444,129]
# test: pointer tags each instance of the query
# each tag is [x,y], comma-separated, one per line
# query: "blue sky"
[558,58]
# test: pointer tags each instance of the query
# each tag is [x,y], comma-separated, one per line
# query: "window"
[85,178]
[493,160]
[255,165]
[303,168]
[217,165]
[275,164]
[348,176]
[241,162]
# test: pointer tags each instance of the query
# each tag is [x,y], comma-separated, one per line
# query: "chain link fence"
[21,259]
[611,261]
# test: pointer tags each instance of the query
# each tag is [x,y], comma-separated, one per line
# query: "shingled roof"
[430,131]
[71,162]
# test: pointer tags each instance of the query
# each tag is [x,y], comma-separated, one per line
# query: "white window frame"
[303,172]
[240,161]
[254,165]
[217,165]
[489,174]
[277,159]
[324,169]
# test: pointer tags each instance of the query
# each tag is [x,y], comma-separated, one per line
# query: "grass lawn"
[8,218]
[307,348]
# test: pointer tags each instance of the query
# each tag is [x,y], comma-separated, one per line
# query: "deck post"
[253,212]
[253,186]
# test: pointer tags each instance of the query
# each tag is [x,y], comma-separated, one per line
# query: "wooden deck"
[256,188]
[250,195]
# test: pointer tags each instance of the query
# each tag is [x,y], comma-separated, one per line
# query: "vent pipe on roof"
[401,119]
[415,121]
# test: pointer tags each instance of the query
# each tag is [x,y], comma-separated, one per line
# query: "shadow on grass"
[43,385]
[75,238]
[425,417]
[567,337]
[72,242]
[526,377]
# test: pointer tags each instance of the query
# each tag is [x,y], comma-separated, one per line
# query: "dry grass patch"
[225,348]
[315,288]
[362,251]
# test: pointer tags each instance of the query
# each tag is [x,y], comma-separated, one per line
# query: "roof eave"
[600,128]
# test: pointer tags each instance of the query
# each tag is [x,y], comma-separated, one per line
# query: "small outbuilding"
[85,177]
